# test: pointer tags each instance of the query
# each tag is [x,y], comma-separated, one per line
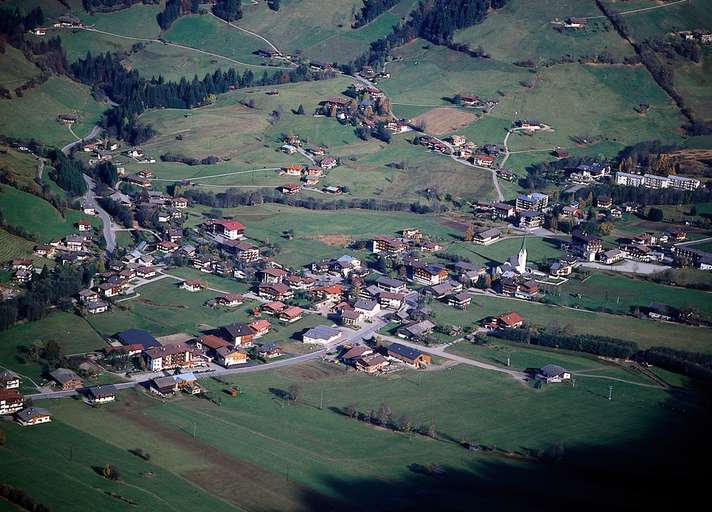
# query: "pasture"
[12,246]
[21,166]
[71,332]
[46,222]
[694,80]
[15,69]
[157,59]
[522,30]
[257,441]
[35,114]
[646,333]
[690,15]
[538,250]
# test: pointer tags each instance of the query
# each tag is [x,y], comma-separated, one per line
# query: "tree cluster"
[112,5]
[106,173]
[371,10]
[46,290]
[693,364]
[599,345]
[229,10]
[68,173]
[21,499]
[117,210]
[13,24]
[135,94]
[188,160]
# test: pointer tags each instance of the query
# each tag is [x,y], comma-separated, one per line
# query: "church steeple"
[522,257]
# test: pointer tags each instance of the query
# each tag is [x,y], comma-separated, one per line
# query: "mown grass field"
[621,294]
[522,30]
[173,63]
[22,166]
[646,333]
[35,114]
[538,250]
[46,222]
[690,15]
[694,80]
[290,452]
[72,333]
[12,246]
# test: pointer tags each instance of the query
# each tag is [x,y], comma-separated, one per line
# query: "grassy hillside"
[12,246]
[45,221]
[15,69]
[522,30]
[35,114]
[22,166]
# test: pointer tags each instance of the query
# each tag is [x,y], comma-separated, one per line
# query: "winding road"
[107,225]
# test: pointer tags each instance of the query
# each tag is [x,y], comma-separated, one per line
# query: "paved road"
[107,228]
[94,133]
[634,11]
[222,175]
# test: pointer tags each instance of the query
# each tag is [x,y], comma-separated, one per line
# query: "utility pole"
[508,361]
[321,402]
[610,392]
[195,429]
[573,383]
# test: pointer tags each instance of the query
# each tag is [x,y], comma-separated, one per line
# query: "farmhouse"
[33,416]
[483,160]
[328,162]
[164,386]
[511,320]
[487,236]
[270,351]
[276,291]
[260,327]
[429,274]
[227,357]
[289,188]
[9,380]
[230,229]
[238,334]
[67,379]
[552,373]
[96,307]
[531,219]
[321,334]
[460,300]
[166,357]
[586,246]
[11,401]
[353,353]
[371,363]
[503,211]
[230,300]
[192,285]
[416,329]
[410,356]
[101,394]
[291,314]
[387,245]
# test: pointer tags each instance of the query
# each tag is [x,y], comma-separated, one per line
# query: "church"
[515,264]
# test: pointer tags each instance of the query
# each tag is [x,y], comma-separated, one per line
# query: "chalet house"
[101,394]
[677,235]
[273,308]
[67,379]
[487,236]
[230,229]
[506,174]
[238,334]
[560,153]
[230,300]
[45,250]
[527,290]
[22,276]
[369,308]
[291,314]
[639,252]
[297,282]
[613,256]
[371,364]
[508,286]
[503,211]
[290,188]
[270,351]
[166,357]
[387,245]
[292,170]
[561,268]
[391,285]
[166,246]
[138,181]
[467,100]
[410,356]
[96,307]
[75,243]
[483,160]
[11,401]
[22,264]
[333,190]
[552,373]
[332,293]
[260,327]
[586,246]
[227,357]
[429,274]
[571,212]
[321,334]
[435,145]
[460,301]
[328,162]
[531,219]
[133,337]
[180,202]
[604,202]
[192,285]
[350,317]
[511,320]
[269,53]
[529,125]
[164,386]
[534,201]
[310,181]
[416,329]
[33,416]
[352,354]
[272,275]
[145,272]
[9,380]
[84,225]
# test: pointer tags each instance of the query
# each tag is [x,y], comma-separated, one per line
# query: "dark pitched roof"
[137,337]
[402,350]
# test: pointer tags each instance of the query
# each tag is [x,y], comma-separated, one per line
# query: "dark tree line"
[371,10]
[46,290]
[135,94]
[106,173]
[113,5]
[117,210]
[68,173]
[13,24]
[693,364]
[175,9]
[434,20]
[229,10]
[235,197]
[599,345]
[642,195]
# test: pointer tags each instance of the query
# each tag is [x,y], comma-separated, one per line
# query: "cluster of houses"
[365,106]
[383,359]
[472,101]
[309,176]
[703,36]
